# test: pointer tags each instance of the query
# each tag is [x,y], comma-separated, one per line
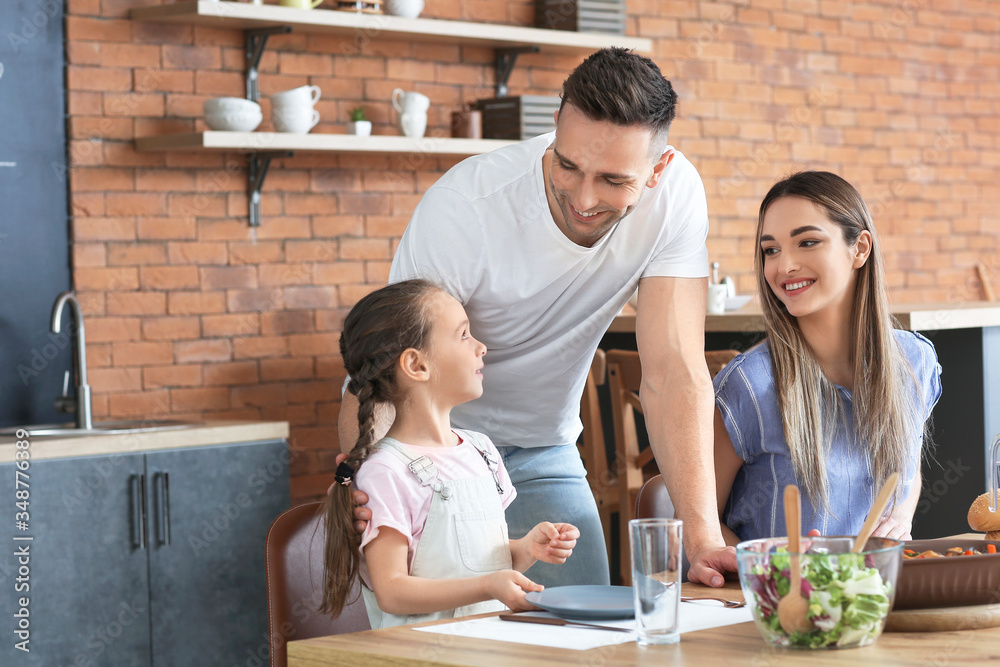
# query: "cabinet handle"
[163,507]
[138,483]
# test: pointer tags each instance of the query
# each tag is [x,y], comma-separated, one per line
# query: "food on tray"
[954,551]
[981,519]
[848,599]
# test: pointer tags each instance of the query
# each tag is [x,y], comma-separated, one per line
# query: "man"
[544,242]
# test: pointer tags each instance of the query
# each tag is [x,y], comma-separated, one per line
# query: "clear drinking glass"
[656,578]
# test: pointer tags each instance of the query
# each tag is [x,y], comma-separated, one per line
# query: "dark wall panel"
[34,229]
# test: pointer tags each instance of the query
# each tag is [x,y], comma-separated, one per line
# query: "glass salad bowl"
[849,594]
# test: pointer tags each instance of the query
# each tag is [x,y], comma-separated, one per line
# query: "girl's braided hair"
[376,332]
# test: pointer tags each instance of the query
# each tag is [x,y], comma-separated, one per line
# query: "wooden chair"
[294,563]
[592,448]
[633,466]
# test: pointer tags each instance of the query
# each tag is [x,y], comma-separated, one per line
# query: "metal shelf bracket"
[258,164]
[505,65]
[256,41]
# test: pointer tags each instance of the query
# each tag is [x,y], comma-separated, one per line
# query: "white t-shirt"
[398,501]
[539,302]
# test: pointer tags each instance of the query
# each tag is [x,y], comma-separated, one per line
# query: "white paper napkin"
[693,617]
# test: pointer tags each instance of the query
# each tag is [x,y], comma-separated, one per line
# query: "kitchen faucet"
[84,418]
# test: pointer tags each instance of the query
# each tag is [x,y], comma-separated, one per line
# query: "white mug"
[411,102]
[298,120]
[717,294]
[413,124]
[406,8]
[297,96]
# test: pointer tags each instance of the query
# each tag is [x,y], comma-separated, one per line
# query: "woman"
[835,399]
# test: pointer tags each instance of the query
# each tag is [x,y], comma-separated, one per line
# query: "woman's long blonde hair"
[887,416]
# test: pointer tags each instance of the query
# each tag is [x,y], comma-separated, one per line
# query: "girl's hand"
[509,587]
[552,543]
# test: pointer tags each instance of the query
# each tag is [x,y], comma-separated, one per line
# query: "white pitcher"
[410,102]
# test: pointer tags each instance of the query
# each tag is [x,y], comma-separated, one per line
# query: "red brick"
[136,254]
[117,278]
[313,344]
[115,379]
[169,277]
[110,329]
[286,322]
[239,324]
[286,369]
[197,253]
[187,303]
[139,354]
[232,373]
[228,277]
[204,398]
[256,253]
[170,328]
[136,303]
[158,228]
[260,346]
[203,351]
[158,377]
[103,229]
[148,404]
[254,300]
[260,395]
[310,297]
[135,203]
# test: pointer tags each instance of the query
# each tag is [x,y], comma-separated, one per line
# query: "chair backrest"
[653,501]
[294,550]
[625,377]
[592,450]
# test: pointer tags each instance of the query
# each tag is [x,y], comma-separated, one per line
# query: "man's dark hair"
[620,86]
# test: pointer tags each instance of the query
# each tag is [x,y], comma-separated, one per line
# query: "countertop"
[194,435]
[915,317]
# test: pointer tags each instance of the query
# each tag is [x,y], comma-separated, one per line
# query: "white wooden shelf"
[268,142]
[372,26]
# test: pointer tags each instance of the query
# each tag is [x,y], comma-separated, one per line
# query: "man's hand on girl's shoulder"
[362,515]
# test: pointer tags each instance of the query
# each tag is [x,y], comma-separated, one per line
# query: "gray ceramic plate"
[585,602]
[948,582]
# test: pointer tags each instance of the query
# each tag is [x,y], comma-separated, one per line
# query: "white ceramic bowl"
[235,121]
[230,104]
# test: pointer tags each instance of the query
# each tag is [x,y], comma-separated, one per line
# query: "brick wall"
[191,317]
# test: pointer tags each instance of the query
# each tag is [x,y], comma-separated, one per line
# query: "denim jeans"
[551,485]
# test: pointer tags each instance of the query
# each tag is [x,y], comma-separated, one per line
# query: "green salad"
[848,600]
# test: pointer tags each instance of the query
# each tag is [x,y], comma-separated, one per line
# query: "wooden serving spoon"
[793,609]
[881,502]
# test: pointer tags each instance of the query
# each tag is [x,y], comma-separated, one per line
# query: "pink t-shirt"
[398,501]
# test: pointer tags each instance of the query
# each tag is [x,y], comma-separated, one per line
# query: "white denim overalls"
[465,534]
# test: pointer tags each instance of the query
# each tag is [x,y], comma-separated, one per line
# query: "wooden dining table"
[739,644]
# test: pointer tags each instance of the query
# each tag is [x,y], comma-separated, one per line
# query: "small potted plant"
[358,125]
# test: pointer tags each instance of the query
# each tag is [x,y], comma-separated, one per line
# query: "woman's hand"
[362,515]
[892,528]
[509,587]
[551,542]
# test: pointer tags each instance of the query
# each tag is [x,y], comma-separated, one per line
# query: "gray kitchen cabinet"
[152,558]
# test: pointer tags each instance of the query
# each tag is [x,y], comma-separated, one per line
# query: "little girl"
[835,399]
[437,544]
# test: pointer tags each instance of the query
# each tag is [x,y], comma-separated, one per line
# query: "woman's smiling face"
[807,263]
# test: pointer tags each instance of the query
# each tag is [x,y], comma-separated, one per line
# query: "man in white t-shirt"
[543,242]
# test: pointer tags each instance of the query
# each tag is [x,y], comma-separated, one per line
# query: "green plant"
[357,114]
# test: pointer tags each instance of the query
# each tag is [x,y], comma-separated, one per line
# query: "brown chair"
[294,563]
[635,467]
[592,448]
[653,501]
